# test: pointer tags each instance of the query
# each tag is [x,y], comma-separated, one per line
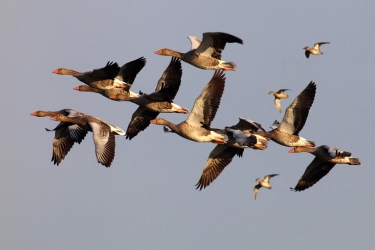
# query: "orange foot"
[228,68]
[218,141]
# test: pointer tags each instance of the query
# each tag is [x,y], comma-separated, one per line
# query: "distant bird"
[240,136]
[127,74]
[66,134]
[287,132]
[103,135]
[110,76]
[205,54]
[160,101]
[263,183]
[315,50]
[197,127]
[326,158]
[279,95]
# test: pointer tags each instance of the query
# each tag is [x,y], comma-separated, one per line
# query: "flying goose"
[263,183]
[205,54]
[240,136]
[286,133]
[326,157]
[197,126]
[315,50]
[110,76]
[66,134]
[160,101]
[127,74]
[103,135]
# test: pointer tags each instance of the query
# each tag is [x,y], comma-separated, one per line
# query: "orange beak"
[53,117]
[113,97]
[158,52]
[291,151]
[153,121]
[33,113]
[76,88]
[55,71]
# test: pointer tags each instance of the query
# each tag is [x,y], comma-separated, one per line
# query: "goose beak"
[53,118]
[158,52]
[76,88]
[33,113]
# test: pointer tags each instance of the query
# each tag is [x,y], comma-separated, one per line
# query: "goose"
[205,54]
[103,135]
[315,50]
[108,77]
[197,125]
[326,157]
[66,134]
[263,183]
[240,136]
[279,95]
[160,101]
[127,74]
[286,133]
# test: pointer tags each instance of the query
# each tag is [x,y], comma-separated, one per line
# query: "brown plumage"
[326,158]
[208,54]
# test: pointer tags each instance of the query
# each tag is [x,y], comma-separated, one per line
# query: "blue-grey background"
[147,198]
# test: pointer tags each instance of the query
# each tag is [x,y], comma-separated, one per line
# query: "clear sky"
[147,198]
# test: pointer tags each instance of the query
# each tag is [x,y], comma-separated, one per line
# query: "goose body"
[103,135]
[263,183]
[239,136]
[314,50]
[326,157]
[197,126]
[287,132]
[205,54]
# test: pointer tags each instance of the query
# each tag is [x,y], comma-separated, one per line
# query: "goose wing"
[218,159]
[297,112]
[207,103]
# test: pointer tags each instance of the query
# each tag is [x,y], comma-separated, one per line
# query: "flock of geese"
[114,82]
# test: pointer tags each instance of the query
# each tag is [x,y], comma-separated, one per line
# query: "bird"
[315,50]
[326,157]
[240,136]
[103,135]
[287,132]
[206,54]
[66,134]
[263,183]
[160,101]
[127,74]
[279,95]
[110,76]
[197,126]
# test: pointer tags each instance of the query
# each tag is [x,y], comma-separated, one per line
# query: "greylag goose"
[263,183]
[326,158]
[279,95]
[240,136]
[103,135]
[66,134]
[207,53]
[110,76]
[314,50]
[197,126]
[286,133]
[127,74]
[160,101]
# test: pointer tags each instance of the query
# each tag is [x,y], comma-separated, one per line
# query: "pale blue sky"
[147,198]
